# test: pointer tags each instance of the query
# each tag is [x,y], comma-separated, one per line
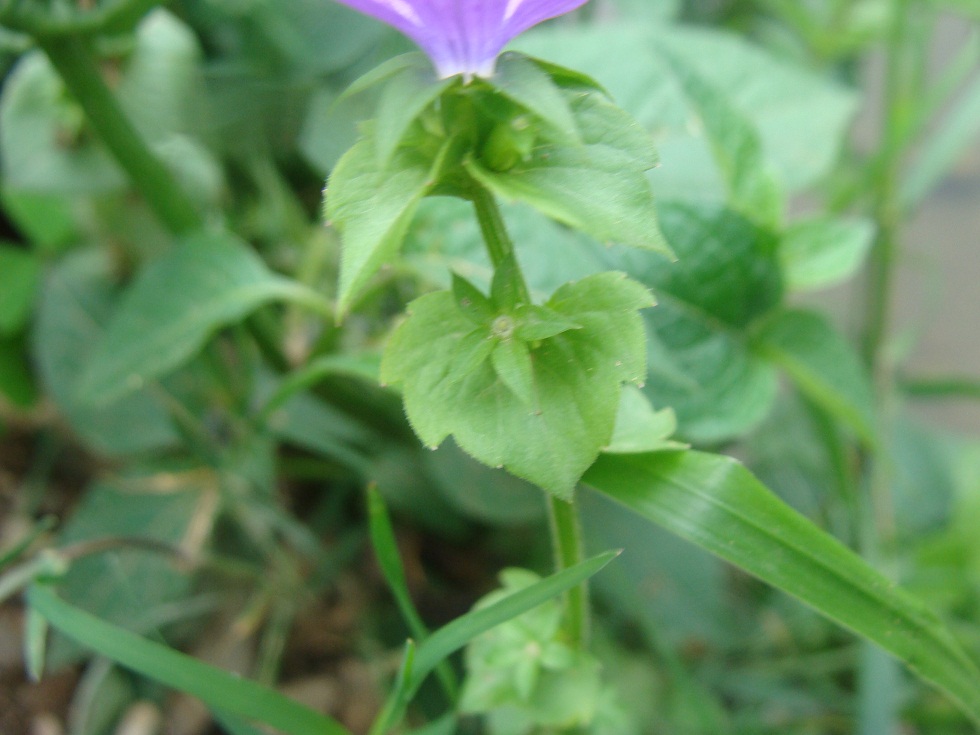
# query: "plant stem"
[566,532]
[74,61]
[566,535]
[876,713]
[498,242]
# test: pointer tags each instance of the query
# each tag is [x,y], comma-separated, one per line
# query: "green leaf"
[752,190]
[599,188]
[46,147]
[553,443]
[824,251]
[382,73]
[726,278]
[462,630]
[126,587]
[404,98]
[218,689]
[714,502]
[539,322]
[802,118]
[524,82]
[16,381]
[19,277]
[386,549]
[372,207]
[511,360]
[78,298]
[490,496]
[823,365]
[362,366]
[639,428]
[47,221]
[472,302]
[176,303]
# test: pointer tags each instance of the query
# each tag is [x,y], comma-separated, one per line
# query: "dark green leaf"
[19,277]
[16,381]
[725,278]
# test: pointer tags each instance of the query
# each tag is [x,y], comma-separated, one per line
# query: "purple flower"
[463,36]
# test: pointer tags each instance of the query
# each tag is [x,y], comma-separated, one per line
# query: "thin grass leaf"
[386,549]
[218,689]
[35,643]
[399,697]
[714,502]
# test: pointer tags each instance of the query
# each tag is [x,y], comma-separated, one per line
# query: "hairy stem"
[74,61]
[566,535]
[495,236]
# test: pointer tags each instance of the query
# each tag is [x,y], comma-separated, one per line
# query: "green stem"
[903,83]
[566,535]
[77,66]
[566,532]
[498,242]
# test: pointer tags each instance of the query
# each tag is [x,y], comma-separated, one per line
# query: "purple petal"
[463,36]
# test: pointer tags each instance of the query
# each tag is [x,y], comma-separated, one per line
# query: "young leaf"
[472,302]
[553,443]
[372,207]
[524,82]
[409,93]
[512,362]
[641,429]
[218,689]
[175,305]
[714,502]
[599,188]
[462,630]
[538,322]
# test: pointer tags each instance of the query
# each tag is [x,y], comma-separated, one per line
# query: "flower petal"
[463,36]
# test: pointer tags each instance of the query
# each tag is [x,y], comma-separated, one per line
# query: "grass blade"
[386,550]
[714,502]
[218,689]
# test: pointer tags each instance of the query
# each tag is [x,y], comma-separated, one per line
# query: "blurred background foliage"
[256,478]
